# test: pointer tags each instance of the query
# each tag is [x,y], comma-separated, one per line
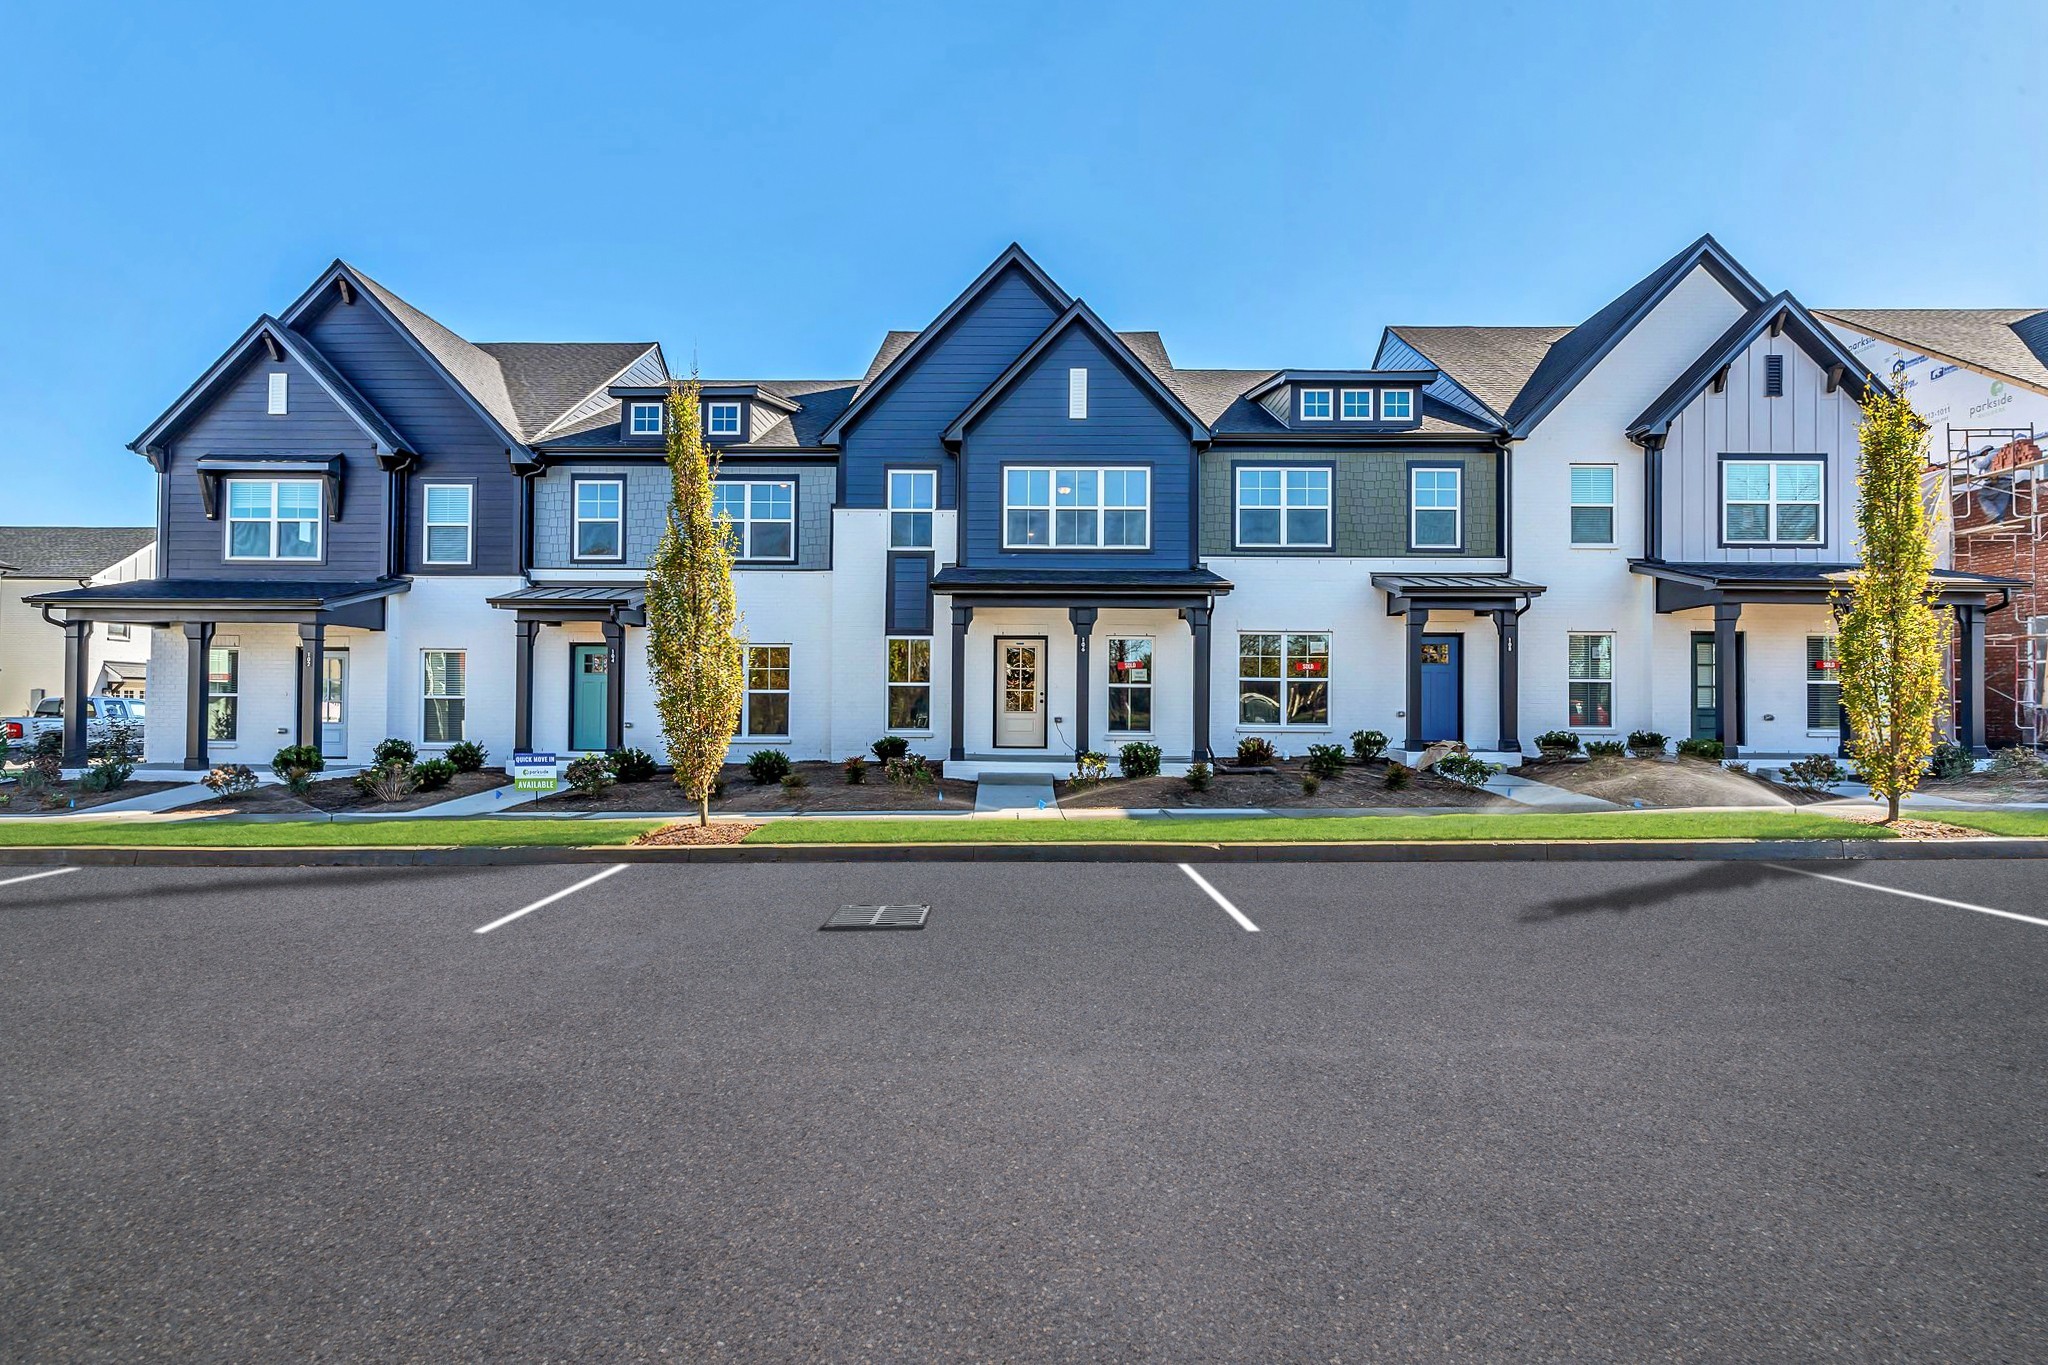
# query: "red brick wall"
[2009,556]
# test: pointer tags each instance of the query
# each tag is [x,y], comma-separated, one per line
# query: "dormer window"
[1397,405]
[722,419]
[1357,405]
[1315,405]
[644,419]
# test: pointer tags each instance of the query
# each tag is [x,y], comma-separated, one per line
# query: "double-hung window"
[447,532]
[645,419]
[722,419]
[223,694]
[1315,405]
[1130,684]
[1590,681]
[274,518]
[1397,405]
[766,713]
[444,695]
[1771,502]
[1356,405]
[1059,508]
[910,683]
[1592,504]
[1436,516]
[1283,679]
[600,528]
[1282,507]
[913,493]
[762,517]
[1823,684]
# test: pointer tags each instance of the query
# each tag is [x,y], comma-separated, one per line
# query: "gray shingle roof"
[1492,363]
[544,379]
[819,402]
[2011,342]
[1218,398]
[476,369]
[67,551]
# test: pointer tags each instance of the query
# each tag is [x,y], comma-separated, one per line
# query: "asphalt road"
[1606,1111]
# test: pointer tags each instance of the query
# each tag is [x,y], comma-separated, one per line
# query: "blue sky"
[772,186]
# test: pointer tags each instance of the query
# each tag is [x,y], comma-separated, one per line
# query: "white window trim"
[1328,508]
[1151,687]
[929,686]
[1406,394]
[1345,396]
[889,478]
[1330,702]
[749,692]
[577,521]
[745,524]
[1613,506]
[425,697]
[427,525]
[1835,653]
[739,416]
[228,521]
[1414,540]
[1772,503]
[205,720]
[1613,726]
[1329,400]
[1052,472]
[633,411]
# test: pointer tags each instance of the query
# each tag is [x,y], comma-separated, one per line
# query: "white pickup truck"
[101,715]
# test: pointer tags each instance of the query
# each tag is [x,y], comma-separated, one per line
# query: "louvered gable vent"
[1774,376]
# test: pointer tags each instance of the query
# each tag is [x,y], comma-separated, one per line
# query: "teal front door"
[589,696]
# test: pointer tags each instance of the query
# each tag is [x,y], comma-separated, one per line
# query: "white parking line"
[1911,895]
[37,876]
[550,900]
[1218,897]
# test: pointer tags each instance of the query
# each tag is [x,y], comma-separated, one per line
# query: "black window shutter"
[1774,376]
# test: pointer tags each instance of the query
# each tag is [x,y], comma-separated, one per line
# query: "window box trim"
[1613,505]
[1281,726]
[1415,467]
[738,433]
[1301,403]
[1151,686]
[747,692]
[1407,393]
[890,509]
[1721,501]
[1372,404]
[1613,726]
[427,525]
[426,696]
[228,520]
[1239,545]
[1053,509]
[633,409]
[576,518]
[930,683]
[796,503]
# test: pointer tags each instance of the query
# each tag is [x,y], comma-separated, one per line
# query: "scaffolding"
[1994,517]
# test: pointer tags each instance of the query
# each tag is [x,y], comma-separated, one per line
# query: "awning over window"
[213,468]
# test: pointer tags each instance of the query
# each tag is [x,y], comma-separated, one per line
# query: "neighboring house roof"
[2011,343]
[68,551]
[1801,327]
[893,344]
[1493,364]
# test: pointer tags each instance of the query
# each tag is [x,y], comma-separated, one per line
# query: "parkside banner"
[533,772]
[1948,396]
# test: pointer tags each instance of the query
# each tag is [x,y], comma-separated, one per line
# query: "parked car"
[101,715]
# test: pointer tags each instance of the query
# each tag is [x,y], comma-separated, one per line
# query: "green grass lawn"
[2020,824]
[1332,829]
[487,833]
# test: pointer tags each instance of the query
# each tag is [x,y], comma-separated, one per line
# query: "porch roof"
[1454,591]
[625,603]
[164,601]
[1068,587]
[1681,587]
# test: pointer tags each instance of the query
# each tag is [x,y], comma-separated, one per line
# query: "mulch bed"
[66,797]
[825,789]
[1908,827]
[678,835]
[338,795]
[1359,785]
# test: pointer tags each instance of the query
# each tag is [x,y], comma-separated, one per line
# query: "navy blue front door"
[1443,689]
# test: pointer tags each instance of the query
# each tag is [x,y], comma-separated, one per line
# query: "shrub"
[1647,743]
[856,769]
[1367,745]
[1713,750]
[1742,768]
[1605,748]
[2016,762]
[433,774]
[795,782]
[631,765]
[1325,760]
[1310,784]
[767,765]
[388,781]
[394,751]
[1949,762]
[1255,751]
[1464,769]
[1138,759]
[890,746]
[1091,767]
[1199,776]
[109,772]
[46,760]
[31,785]
[909,770]
[1399,775]
[1557,742]
[230,779]
[1815,773]
[468,756]
[589,775]
[295,765]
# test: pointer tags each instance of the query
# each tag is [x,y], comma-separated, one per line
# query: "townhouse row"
[1021,534]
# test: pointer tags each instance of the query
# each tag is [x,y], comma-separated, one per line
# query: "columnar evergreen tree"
[1892,639]
[695,655]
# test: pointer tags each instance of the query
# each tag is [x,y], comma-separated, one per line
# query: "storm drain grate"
[878,917]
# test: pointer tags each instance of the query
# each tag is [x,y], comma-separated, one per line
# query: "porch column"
[614,685]
[1970,727]
[1418,622]
[1198,625]
[198,648]
[522,686]
[1083,620]
[958,701]
[77,688]
[1509,627]
[312,649]
[1727,682]
[1843,734]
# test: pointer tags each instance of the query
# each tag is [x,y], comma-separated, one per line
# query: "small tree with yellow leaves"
[1893,636]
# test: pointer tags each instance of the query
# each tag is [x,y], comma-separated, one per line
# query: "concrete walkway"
[1016,797]
[1529,792]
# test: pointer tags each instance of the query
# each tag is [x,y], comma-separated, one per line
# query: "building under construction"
[1996,494]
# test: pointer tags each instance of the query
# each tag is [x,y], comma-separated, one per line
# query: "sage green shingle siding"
[1370,493]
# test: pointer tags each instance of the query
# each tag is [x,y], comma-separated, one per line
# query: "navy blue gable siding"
[238,422]
[452,442]
[1126,425]
[905,423]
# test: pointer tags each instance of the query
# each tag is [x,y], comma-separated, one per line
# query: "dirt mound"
[1686,782]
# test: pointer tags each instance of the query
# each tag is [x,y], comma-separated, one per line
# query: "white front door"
[1020,692]
[334,706]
